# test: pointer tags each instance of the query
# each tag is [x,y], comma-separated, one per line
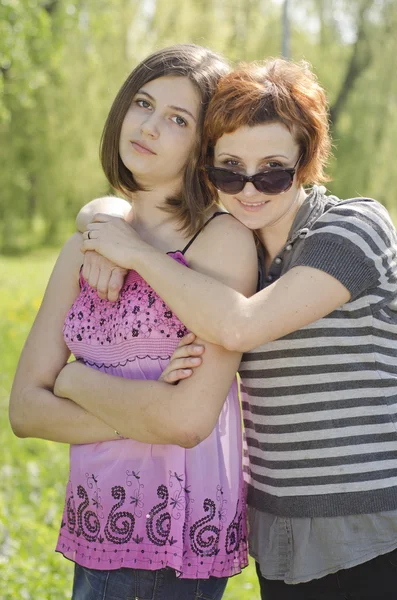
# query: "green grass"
[33,473]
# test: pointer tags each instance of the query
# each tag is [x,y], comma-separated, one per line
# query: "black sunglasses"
[272,181]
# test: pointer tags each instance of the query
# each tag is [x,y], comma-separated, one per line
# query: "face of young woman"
[159,130]
[249,150]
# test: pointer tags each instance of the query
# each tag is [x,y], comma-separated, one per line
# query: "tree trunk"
[360,59]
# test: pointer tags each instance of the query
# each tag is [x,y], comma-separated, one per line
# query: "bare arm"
[34,410]
[211,307]
[156,412]
[220,314]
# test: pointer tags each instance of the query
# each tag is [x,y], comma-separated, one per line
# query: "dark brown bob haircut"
[275,90]
[204,69]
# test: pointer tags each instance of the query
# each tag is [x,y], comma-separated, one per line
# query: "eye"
[179,121]
[231,162]
[143,103]
[274,164]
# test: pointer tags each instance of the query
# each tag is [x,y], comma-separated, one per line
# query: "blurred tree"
[361,55]
[59,75]
[62,62]
[367,124]
[26,53]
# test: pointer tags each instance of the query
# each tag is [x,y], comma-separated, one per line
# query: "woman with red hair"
[319,336]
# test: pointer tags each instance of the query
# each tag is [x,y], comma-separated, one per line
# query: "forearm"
[221,315]
[146,411]
[43,415]
[205,305]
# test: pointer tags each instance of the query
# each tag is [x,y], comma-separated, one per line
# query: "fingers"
[186,357]
[93,276]
[176,376]
[103,275]
[91,271]
[115,284]
[88,257]
[91,227]
[186,348]
[90,234]
[187,339]
[190,362]
[91,237]
[103,282]
[88,245]
[180,368]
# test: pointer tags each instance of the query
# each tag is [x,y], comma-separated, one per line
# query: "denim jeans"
[375,579]
[139,584]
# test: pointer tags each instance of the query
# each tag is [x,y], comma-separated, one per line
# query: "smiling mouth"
[141,148]
[253,205]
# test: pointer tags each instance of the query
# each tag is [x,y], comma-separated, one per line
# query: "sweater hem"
[324,505]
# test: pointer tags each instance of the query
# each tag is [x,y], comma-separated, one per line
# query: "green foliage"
[33,473]
[62,62]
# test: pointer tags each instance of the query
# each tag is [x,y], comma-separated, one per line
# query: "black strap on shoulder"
[220,212]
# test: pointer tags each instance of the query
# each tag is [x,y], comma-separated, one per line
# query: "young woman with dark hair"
[155,503]
[319,336]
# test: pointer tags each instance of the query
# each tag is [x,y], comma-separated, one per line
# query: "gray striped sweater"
[320,409]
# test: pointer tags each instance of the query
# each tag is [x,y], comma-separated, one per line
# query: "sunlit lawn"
[33,473]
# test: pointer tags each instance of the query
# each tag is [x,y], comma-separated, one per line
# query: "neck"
[148,215]
[274,236]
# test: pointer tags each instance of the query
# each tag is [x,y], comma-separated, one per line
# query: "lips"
[141,148]
[252,206]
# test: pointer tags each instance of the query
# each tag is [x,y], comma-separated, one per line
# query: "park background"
[61,64]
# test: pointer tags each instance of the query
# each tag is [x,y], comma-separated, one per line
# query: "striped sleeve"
[355,242]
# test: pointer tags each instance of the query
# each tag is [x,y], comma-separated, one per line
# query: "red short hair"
[275,90]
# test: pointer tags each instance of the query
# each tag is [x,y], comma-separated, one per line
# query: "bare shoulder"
[224,230]
[226,250]
[66,271]
[225,224]
[109,205]
[71,257]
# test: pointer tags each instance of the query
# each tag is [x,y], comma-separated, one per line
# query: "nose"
[249,190]
[149,127]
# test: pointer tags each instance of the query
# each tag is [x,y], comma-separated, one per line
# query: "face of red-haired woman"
[250,150]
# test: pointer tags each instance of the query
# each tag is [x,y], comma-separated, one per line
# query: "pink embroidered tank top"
[130,504]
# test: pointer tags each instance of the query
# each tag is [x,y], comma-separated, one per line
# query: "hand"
[103,275]
[186,357]
[113,238]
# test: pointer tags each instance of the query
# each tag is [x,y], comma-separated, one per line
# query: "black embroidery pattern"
[178,500]
[204,538]
[158,527]
[234,533]
[137,495]
[71,514]
[88,522]
[204,534]
[92,484]
[119,534]
[139,313]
